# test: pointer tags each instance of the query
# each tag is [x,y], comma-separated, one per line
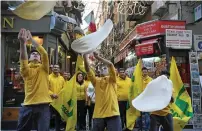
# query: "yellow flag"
[66,104]
[136,88]
[182,108]
[34,10]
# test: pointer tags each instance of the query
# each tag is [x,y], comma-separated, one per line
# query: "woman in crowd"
[81,103]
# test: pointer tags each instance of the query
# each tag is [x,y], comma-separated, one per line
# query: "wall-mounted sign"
[179,39]
[198,42]
[158,27]
[144,49]
[7,22]
[197,13]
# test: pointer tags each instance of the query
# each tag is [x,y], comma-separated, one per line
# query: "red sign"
[158,27]
[144,49]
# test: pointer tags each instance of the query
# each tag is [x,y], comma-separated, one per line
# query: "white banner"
[179,39]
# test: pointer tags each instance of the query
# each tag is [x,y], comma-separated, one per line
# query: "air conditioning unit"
[159,8]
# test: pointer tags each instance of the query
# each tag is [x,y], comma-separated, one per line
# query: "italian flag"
[90,19]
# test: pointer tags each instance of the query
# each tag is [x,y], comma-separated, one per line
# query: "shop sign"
[8,22]
[180,39]
[144,49]
[158,27]
[198,42]
[197,13]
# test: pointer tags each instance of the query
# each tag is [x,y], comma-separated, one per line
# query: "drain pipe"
[180,10]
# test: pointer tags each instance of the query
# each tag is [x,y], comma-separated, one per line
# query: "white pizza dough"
[156,96]
[89,43]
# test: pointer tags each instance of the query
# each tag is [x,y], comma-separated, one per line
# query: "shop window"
[61,57]
[51,55]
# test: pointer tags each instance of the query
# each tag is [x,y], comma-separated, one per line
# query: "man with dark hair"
[123,86]
[146,78]
[106,112]
[164,116]
[35,74]
[67,76]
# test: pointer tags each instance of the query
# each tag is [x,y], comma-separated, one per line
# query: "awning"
[121,55]
[146,47]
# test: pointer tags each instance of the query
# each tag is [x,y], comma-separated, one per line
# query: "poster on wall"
[196,90]
[198,42]
[179,39]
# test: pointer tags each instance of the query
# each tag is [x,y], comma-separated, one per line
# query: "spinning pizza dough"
[156,96]
[34,10]
[89,43]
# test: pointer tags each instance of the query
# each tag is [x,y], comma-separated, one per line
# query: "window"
[61,57]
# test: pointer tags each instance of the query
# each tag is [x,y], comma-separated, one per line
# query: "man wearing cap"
[123,86]
[35,74]
[164,116]
[106,112]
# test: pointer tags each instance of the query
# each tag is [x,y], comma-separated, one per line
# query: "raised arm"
[23,37]
[111,69]
[90,73]
[43,53]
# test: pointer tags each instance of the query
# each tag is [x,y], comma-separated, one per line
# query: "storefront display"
[196,90]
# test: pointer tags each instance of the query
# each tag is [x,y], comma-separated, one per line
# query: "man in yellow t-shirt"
[145,77]
[123,86]
[106,112]
[56,83]
[35,75]
[66,76]
[164,116]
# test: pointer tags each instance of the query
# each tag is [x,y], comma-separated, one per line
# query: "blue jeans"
[165,121]
[38,114]
[112,123]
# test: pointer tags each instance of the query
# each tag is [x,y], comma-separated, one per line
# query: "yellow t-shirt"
[146,81]
[106,103]
[164,111]
[35,77]
[56,83]
[81,91]
[123,87]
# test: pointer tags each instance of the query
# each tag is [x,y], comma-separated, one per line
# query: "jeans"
[122,110]
[90,111]
[165,121]
[112,123]
[81,114]
[57,118]
[38,114]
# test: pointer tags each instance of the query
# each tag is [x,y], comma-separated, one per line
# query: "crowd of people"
[104,96]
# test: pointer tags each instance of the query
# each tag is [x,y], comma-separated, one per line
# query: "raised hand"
[29,35]
[23,36]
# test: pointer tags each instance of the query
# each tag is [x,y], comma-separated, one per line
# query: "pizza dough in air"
[34,10]
[156,96]
[89,43]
